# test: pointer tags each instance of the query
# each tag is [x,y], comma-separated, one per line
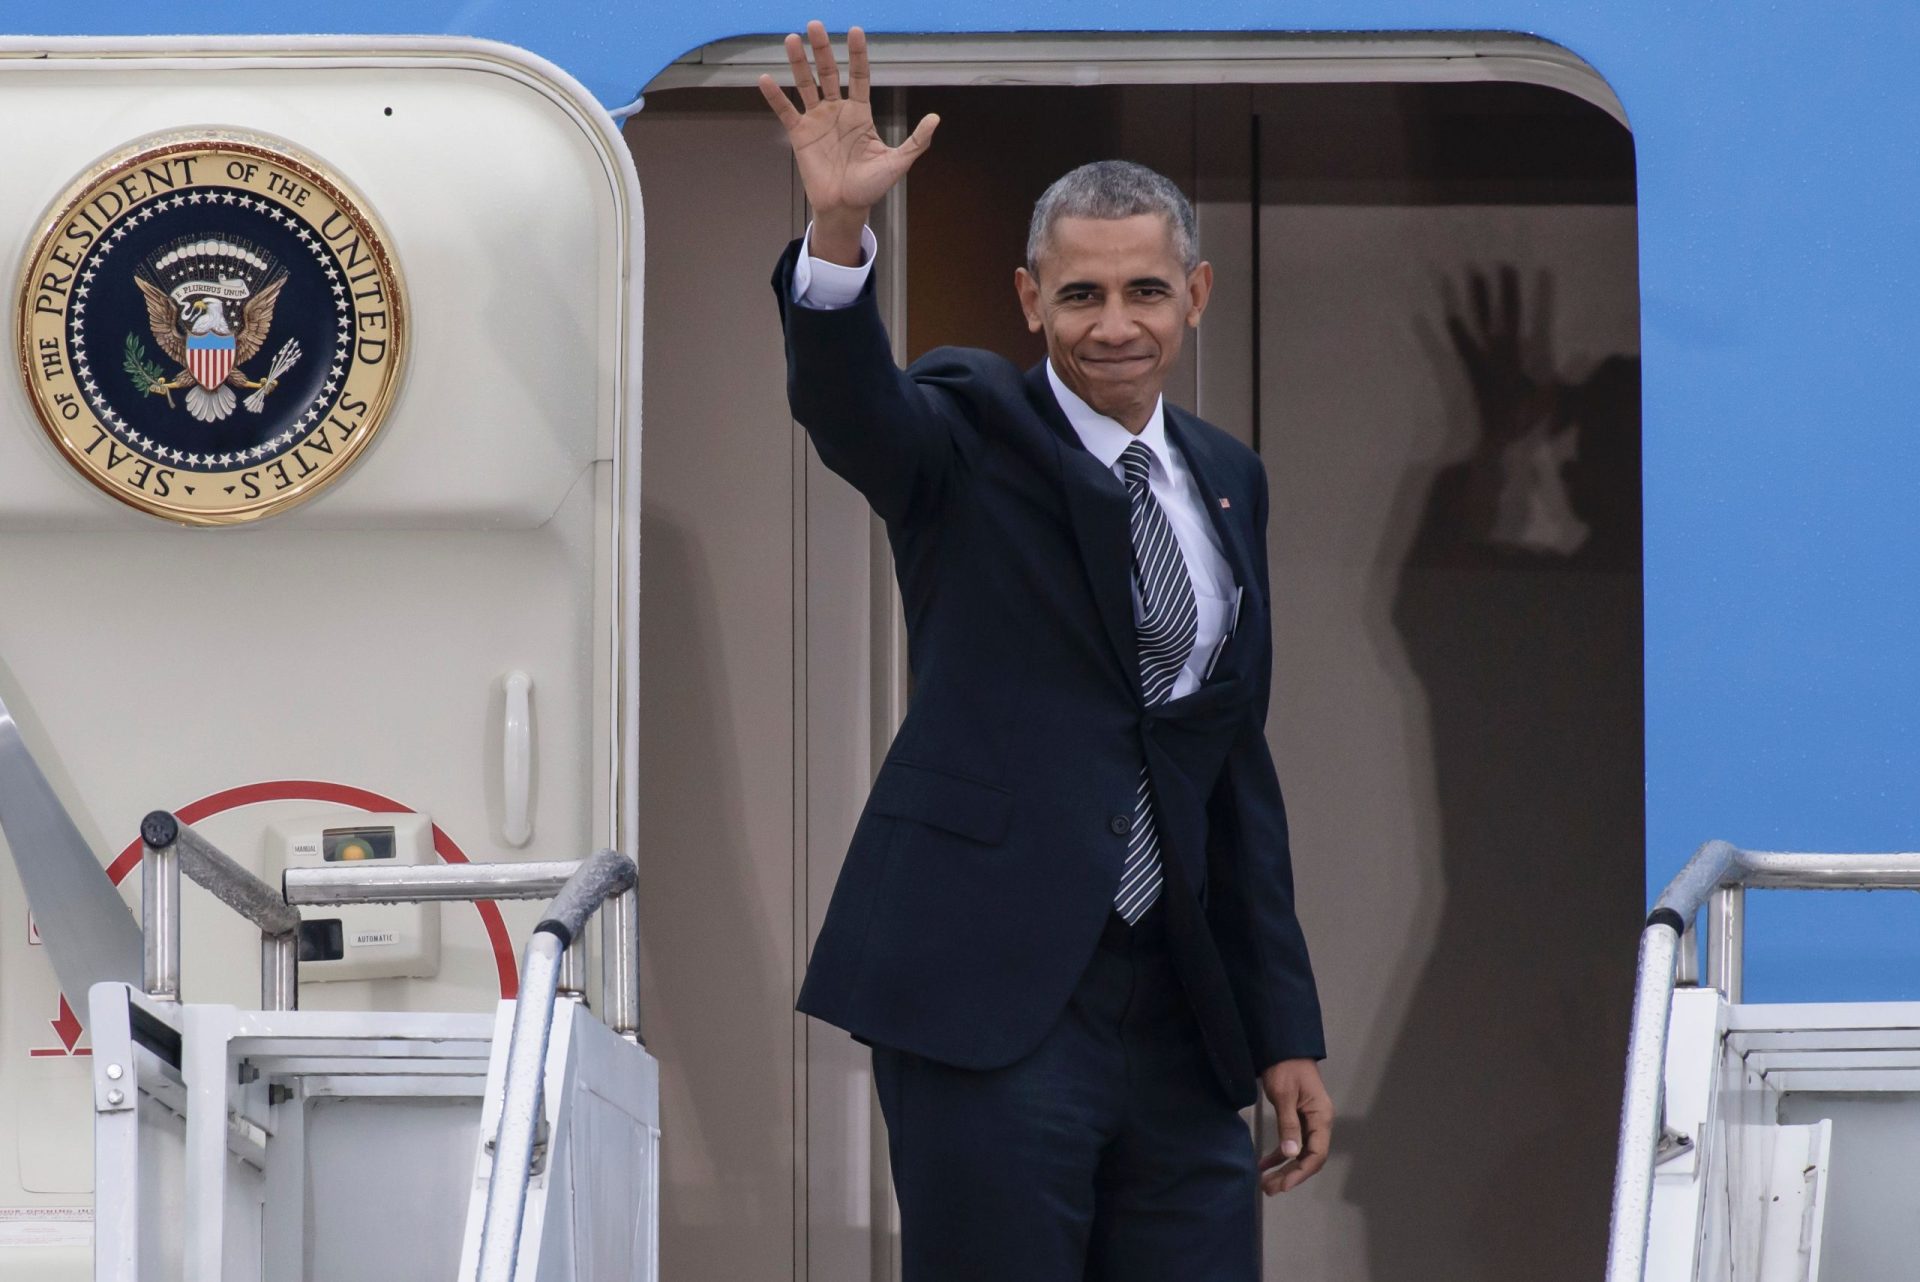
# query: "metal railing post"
[573,969]
[159,912]
[280,971]
[1686,962]
[620,966]
[1726,940]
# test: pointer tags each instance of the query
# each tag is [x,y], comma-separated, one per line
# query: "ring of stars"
[302,423]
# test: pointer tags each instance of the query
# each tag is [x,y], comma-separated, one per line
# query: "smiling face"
[1115,302]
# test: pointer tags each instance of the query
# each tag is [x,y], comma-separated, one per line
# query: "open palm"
[844,163]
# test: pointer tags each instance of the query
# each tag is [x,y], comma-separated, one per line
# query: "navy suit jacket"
[985,863]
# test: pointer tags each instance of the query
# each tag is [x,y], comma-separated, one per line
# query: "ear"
[1028,289]
[1199,290]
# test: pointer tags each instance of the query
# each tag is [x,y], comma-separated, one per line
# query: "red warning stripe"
[67,1025]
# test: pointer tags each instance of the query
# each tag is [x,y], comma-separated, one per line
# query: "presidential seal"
[211,327]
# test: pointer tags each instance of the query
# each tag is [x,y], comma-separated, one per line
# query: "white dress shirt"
[820,284]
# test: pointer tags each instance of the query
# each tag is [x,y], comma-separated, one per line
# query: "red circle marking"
[346,795]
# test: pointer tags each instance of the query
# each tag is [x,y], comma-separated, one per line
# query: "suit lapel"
[1097,507]
[1207,469]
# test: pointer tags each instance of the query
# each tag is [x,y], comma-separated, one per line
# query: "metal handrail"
[1718,874]
[373,883]
[533,879]
[605,876]
[171,848]
[578,890]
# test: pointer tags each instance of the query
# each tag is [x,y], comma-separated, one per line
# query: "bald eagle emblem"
[210,304]
[211,326]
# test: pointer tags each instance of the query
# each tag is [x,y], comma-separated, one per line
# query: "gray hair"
[1114,189]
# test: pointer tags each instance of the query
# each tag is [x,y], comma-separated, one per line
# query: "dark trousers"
[1108,1154]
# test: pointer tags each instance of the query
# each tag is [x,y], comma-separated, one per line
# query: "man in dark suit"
[1065,924]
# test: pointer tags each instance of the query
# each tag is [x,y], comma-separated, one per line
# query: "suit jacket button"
[1120,825]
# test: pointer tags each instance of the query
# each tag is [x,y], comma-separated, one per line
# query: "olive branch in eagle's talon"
[146,375]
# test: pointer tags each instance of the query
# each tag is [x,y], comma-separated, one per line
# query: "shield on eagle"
[210,358]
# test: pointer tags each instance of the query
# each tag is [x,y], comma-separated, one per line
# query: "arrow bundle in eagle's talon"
[283,361]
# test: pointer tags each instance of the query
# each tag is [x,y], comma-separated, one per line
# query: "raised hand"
[844,163]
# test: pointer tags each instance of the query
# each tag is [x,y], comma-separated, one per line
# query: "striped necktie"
[1166,628]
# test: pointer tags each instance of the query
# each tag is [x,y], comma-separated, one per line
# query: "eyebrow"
[1085,286]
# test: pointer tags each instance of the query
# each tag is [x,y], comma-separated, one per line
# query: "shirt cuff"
[827,286]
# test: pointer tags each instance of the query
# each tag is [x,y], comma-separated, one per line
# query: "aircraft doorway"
[1426,321]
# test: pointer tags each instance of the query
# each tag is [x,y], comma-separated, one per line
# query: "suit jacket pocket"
[975,810]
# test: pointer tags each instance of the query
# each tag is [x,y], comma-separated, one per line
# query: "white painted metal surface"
[1793,1193]
[210,1114]
[1804,1120]
[590,1209]
[1736,1153]
[346,657]
[1678,1194]
[282,1144]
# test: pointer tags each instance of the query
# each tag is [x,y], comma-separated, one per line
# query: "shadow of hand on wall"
[1487,1151]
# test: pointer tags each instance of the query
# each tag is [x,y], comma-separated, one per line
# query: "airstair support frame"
[182,1054]
[598,879]
[1718,874]
[170,848]
[608,875]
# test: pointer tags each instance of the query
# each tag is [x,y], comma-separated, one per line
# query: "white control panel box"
[361,941]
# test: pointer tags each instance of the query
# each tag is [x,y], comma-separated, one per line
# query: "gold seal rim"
[296,160]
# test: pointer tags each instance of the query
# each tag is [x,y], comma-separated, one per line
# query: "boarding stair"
[288,1145]
[1763,1142]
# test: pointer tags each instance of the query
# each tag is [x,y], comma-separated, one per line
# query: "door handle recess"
[516,760]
